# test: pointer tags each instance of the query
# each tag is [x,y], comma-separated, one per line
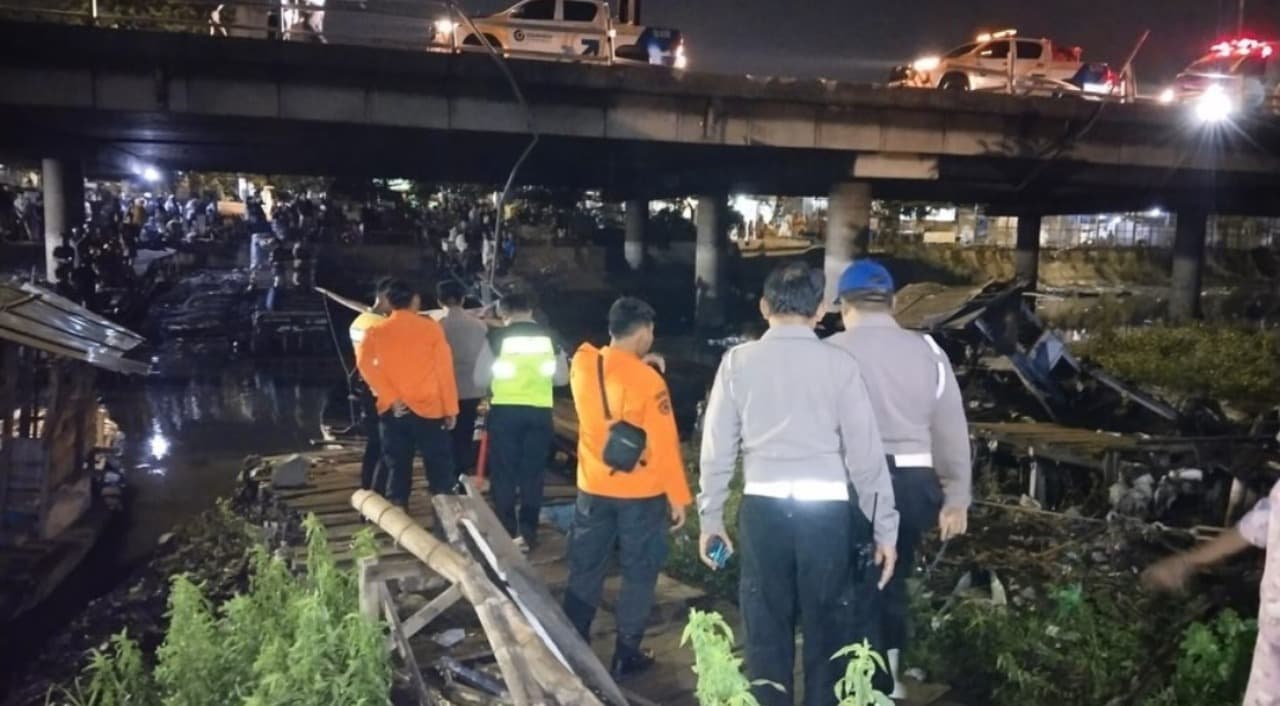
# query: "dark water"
[184,446]
[185,441]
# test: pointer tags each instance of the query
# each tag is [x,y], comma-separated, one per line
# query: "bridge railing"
[407,24]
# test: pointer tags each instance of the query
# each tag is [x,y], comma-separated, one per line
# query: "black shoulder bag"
[626,442]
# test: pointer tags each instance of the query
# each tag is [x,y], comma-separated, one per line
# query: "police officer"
[920,413]
[521,364]
[797,411]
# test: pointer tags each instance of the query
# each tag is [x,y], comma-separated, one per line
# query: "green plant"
[189,668]
[1078,647]
[116,677]
[1213,663]
[720,678]
[336,589]
[854,688]
[288,641]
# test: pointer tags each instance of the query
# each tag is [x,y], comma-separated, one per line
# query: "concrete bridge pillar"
[637,223]
[1026,255]
[710,259]
[63,183]
[1188,263]
[848,231]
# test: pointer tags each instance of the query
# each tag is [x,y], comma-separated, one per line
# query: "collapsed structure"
[1065,433]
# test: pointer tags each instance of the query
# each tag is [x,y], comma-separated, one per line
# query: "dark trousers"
[373,466]
[402,437]
[918,496]
[519,441]
[639,528]
[797,570]
[464,435]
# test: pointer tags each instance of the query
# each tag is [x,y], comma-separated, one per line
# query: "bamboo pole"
[440,557]
[526,662]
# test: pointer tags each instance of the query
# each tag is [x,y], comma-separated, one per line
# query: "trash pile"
[1045,607]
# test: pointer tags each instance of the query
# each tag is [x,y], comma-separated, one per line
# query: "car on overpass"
[998,62]
[1235,76]
[562,30]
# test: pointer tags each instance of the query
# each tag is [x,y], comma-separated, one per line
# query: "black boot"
[629,659]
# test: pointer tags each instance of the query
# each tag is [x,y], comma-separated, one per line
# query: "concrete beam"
[1026,256]
[637,224]
[848,231]
[63,183]
[1188,263]
[710,260]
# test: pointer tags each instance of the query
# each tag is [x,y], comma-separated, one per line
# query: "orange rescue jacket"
[637,394]
[407,358]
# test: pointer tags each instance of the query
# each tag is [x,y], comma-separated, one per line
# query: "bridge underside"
[119,143]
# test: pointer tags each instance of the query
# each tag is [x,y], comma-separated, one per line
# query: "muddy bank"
[211,548]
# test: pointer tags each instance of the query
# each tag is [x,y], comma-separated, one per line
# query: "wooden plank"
[534,598]
[429,612]
[402,646]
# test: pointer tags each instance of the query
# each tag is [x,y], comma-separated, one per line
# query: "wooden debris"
[530,670]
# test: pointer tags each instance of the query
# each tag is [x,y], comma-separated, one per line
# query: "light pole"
[1240,20]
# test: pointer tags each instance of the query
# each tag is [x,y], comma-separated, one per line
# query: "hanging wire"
[347,371]
[486,290]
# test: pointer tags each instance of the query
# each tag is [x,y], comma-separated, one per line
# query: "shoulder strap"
[604,393]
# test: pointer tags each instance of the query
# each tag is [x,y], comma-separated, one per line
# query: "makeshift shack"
[52,432]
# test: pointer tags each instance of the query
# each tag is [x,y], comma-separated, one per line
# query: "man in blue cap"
[920,414]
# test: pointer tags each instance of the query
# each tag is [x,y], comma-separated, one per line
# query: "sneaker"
[522,545]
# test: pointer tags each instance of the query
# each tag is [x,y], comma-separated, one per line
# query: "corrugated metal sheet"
[38,318]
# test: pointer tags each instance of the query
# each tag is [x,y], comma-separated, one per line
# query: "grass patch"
[1236,366]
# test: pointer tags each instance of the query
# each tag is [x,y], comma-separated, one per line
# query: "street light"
[150,174]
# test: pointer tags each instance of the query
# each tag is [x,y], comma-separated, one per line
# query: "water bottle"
[718,552]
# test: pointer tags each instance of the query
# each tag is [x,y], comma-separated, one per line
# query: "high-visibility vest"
[524,367]
[363,323]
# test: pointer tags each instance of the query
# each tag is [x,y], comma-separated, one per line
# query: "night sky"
[862,40]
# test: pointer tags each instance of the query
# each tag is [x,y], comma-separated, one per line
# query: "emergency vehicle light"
[1002,34]
[1243,47]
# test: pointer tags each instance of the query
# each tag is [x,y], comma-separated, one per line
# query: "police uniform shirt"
[916,398]
[798,412]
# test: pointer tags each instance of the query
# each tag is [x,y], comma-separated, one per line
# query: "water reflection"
[185,441]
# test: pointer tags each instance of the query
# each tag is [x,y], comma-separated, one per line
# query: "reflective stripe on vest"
[523,371]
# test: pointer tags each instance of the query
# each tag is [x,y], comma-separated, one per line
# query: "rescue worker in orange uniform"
[633,509]
[407,362]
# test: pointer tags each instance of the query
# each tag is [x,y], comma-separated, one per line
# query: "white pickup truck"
[564,30]
[992,62]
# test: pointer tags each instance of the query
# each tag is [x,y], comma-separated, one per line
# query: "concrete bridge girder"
[622,116]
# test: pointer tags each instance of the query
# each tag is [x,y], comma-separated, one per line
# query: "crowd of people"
[851,450]
[94,261]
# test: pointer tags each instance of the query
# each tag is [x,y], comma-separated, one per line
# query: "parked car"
[992,62]
[563,30]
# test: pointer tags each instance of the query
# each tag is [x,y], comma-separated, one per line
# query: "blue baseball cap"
[867,277]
